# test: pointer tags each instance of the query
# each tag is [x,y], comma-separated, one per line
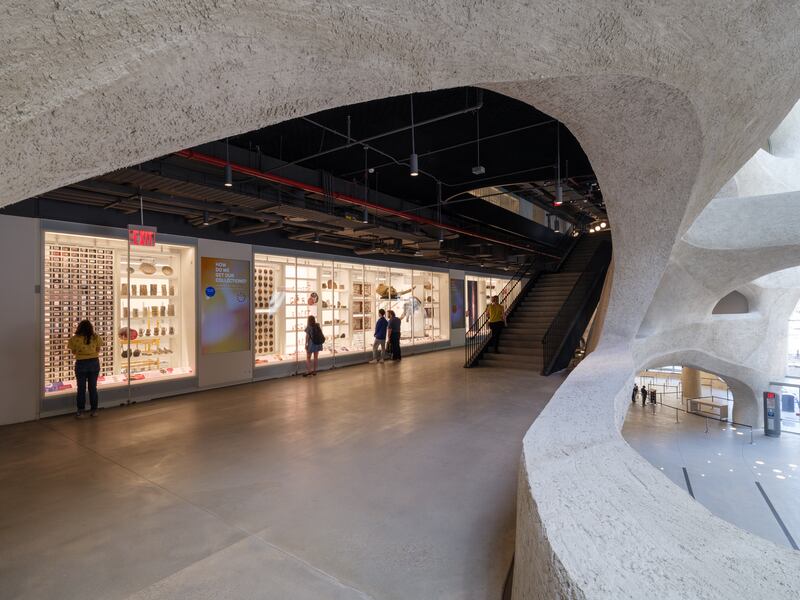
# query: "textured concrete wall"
[667,98]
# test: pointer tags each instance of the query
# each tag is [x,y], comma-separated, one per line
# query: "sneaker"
[373,361]
[306,374]
[94,413]
[79,414]
[314,373]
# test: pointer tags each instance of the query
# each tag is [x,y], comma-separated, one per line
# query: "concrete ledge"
[596,520]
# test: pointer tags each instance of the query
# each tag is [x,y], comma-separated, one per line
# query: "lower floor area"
[394,480]
[755,486]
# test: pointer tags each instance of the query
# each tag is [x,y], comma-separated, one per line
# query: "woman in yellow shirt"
[85,346]
[497,320]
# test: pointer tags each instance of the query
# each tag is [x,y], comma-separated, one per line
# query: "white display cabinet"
[141,303]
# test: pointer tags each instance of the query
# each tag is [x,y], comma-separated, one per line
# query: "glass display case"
[142,307]
[345,298]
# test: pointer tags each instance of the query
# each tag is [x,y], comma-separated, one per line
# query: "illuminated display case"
[143,308]
[344,298]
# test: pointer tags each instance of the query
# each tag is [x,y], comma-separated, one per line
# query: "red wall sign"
[139,235]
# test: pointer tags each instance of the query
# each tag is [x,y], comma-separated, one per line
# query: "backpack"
[317,337]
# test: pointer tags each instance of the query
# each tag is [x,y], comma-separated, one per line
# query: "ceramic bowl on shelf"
[147,268]
[167,270]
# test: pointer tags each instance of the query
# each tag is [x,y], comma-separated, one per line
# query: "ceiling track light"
[205,218]
[413,164]
[367,171]
[478,169]
[413,161]
[228,169]
[316,238]
[559,199]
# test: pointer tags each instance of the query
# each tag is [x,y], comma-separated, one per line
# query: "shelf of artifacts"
[335,311]
[268,297]
[431,306]
[78,284]
[148,318]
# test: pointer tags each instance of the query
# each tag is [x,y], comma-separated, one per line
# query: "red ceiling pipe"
[315,189]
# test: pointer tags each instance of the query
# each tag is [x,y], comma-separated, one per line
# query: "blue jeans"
[86,372]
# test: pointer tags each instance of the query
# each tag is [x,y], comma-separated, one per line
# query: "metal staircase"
[541,330]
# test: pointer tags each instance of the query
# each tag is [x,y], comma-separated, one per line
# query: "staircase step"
[505,361]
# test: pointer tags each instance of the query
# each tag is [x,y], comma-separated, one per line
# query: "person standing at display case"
[635,393]
[394,335]
[315,340]
[381,326]
[497,320]
[85,346]
[644,395]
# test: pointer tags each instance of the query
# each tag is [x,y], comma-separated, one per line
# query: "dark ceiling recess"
[303,181]
[517,144]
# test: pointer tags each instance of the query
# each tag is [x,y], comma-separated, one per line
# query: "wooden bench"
[700,406]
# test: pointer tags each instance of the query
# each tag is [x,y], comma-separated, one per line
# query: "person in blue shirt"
[380,337]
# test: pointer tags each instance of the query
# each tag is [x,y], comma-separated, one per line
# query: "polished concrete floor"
[375,481]
[722,468]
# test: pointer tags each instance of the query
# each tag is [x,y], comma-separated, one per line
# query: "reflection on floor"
[723,468]
[374,481]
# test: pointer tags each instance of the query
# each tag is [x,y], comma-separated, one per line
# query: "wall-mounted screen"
[456,303]
[225,305]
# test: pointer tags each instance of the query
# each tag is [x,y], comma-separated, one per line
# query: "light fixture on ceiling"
[413,161]
[418,253]
[205,218]
[413,165]
[559,200]
[228,170]
[367,171]
[441,236]
[591,229]
[478,169]
[316,238]
[603,225]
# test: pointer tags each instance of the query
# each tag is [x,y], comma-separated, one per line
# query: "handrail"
[706,417]
[477,336]
[564,325]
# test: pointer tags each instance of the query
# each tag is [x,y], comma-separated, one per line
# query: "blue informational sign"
[210,292]
[770,412]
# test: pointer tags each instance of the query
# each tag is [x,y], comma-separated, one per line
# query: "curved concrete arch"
[743,383]
[639,84]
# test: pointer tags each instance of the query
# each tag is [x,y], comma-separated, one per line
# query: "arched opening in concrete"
[734,303]
[719,463]
[678,385]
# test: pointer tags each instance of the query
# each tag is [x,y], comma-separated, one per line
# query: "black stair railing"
[479,333]
[564,333]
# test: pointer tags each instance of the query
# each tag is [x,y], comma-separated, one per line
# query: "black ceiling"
[527,154]
[401,217]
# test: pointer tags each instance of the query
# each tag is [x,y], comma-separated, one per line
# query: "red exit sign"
[139,235]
